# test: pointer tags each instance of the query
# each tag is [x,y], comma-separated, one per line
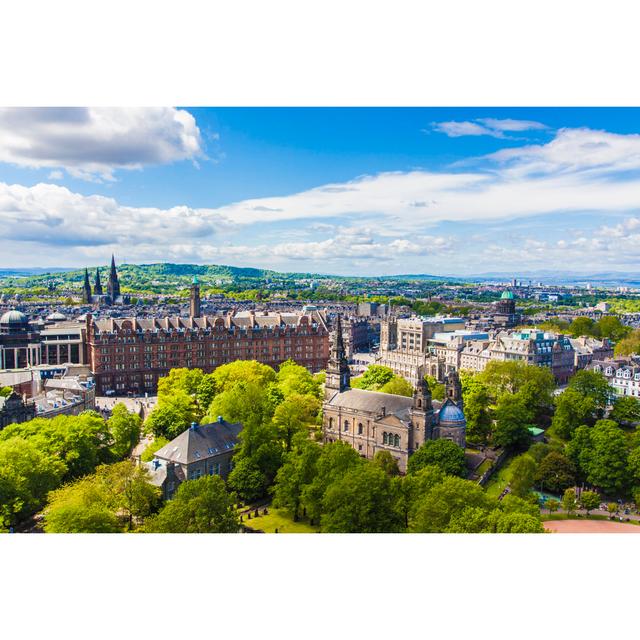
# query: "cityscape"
[269,321]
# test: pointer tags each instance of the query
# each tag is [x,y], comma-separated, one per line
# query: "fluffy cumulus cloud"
[91,143]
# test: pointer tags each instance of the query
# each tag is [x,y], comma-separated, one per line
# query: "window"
[360,428]
[385,438]
[346,426]
[396,440]
[330,423]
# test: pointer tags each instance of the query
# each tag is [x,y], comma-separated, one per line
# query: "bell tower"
[453,388]
[338,374]
[421,412]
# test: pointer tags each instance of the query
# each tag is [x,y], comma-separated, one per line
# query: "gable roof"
[373,402]
[200,442]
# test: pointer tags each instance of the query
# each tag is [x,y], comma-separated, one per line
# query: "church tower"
[86,288]
[97,289]
[453,389]
[194,301]
[338,374]
[113,286]
[421,412]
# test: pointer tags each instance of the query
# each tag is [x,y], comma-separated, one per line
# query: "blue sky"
[361,191]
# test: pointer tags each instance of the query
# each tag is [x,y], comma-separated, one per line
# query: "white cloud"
[458,129]
[91,143]
[507,124]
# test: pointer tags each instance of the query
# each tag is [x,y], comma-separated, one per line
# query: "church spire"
[86,288]
[194,301]
[338,374]
[113,286]
[453,388]
[97,289]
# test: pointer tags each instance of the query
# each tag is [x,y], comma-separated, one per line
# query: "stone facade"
[371,421]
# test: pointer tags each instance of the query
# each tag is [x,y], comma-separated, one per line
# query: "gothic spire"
[86,288]
[98,286]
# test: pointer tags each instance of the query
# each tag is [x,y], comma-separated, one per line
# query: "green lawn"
[277,519]
[499,480]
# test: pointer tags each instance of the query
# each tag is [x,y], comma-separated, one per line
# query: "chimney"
[194,426]
[220,419]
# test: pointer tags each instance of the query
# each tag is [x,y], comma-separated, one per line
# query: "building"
[194,299]
[98,297]
[14,408]
[130,354]
[356,335]
[20,344]
[406,347]
[623,375]
[371,421]
[587,349]
[205,449]
[531,346]
[504,314]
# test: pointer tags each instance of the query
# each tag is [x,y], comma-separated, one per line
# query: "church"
[113,295]
[371,421]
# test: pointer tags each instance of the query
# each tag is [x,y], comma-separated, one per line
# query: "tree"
[245,402]
[27,474]
[589,500]
[634,464]
[518,523]
[247,480]
[444,454]
[512,423]
[149,453]
[581,326]
[553,505]
[611,327]
[569,501]
[629,345]
[398,386]
[172,415]
[555,473]
[608,467]
[102,502]
[5,392]
[248,372]
[361,501]
[591,384]
[374,377]
[626,409]
[524,469]
[410,489]
[476,411]
[539,451]
[445,500]
[386,462]
[336,458]
[125,430]
[572,410]
[293,378]
[612,508]
[293,415]
[198,506]
[297,471]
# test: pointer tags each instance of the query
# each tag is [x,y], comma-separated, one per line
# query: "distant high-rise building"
[194,301]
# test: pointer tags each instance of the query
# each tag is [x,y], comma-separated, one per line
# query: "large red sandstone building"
[130,354]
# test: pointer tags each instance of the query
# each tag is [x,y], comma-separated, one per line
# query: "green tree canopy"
[361,501]
[523,476]
[125,428]
[398,386]
[512,423]
[626,409]
[608,468]
[386,461]
[444,454]
[572,410]
[374,377]
[555,473]
[198,506]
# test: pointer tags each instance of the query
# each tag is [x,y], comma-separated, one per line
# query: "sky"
[349,191]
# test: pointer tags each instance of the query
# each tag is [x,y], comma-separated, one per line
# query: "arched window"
[419,403]
[346,426]
[396,441]
[360,428]
[384,438]
[330,423]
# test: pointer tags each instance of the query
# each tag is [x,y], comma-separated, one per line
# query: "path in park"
[590,526]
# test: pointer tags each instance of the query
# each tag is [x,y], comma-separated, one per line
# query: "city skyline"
[346,191]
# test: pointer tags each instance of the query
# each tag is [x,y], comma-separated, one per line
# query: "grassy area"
[565,516]
[500,480]
[485,466]
[280,520]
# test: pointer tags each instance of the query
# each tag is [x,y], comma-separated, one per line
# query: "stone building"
[130,354]
[622,374]
[406,346]
[205,449]
[371,421]
[504,314]
[20,344]
[14,408]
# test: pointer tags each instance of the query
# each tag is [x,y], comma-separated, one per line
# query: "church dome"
[506,295]
[56,316]
[13,317]
[451,415]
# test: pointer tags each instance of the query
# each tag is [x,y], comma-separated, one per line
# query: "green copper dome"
[506,295]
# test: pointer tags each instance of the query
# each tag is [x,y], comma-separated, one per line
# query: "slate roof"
[201,442]
[373,402]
